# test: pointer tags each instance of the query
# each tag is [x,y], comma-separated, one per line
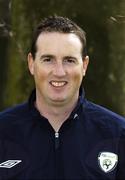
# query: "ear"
[85,64]
[30,63]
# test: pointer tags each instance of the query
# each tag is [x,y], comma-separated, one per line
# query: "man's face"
[58,68]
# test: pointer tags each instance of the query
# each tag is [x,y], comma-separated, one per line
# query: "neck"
[56,115]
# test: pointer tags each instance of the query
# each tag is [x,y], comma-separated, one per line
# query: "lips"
[58,83]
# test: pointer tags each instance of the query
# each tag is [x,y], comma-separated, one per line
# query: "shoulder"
[103,116]
[14,121]
[14,113]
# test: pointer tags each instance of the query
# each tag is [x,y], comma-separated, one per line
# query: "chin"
[58,99]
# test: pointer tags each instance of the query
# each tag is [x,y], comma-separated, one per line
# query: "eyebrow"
[47,55]
[52,56]
[67,57]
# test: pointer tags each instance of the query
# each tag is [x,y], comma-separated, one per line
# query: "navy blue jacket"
[89,145]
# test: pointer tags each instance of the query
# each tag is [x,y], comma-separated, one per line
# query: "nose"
[59,70]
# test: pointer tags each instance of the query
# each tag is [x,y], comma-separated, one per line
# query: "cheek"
[39,75]
[77,76]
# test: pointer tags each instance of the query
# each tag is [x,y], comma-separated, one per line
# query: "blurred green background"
[104,23]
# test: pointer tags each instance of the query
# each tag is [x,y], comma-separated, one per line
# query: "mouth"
[58,83]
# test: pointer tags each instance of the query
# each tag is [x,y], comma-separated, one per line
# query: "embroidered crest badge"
[107,161]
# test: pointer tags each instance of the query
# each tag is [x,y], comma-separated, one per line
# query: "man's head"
[61,25]
[58,61]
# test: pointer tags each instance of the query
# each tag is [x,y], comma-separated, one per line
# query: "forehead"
[58,40]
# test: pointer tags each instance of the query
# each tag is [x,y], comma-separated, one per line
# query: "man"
[58,134]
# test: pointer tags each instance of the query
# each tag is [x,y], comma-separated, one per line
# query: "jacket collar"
[32,97]
[74,113]
[38,118]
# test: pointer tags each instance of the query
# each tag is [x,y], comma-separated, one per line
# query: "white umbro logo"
[9,163]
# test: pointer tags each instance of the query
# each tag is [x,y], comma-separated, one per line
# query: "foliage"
[104,22]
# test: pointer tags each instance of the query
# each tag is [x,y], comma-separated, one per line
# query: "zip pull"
[56,140]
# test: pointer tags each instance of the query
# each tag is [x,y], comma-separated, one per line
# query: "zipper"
[56,140]
[57,156]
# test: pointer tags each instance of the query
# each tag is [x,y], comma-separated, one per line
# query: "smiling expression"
[58,68]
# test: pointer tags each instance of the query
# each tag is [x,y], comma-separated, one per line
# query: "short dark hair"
[58,24]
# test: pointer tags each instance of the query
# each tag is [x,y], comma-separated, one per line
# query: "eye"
[47,60]
[70,60]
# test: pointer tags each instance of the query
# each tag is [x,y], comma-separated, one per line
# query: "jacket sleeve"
[121,158]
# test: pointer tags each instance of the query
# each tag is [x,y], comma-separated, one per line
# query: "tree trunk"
[116,78]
